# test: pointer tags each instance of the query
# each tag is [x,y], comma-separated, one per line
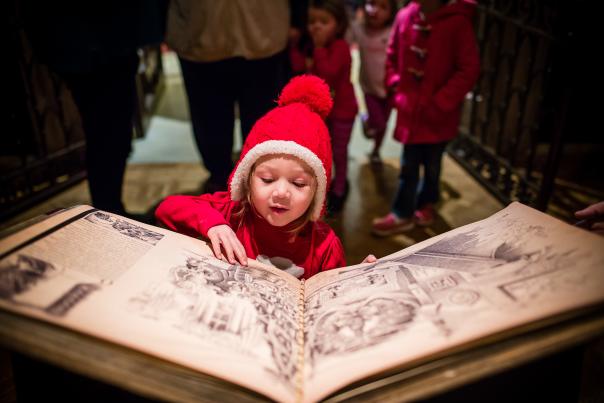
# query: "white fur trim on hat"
[244,167]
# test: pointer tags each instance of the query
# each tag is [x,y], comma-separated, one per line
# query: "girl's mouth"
[278,210]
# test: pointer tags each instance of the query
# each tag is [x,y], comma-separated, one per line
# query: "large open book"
[260,330]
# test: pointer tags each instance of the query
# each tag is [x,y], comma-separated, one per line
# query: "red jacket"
[316,248]
[431,64]
[332,64]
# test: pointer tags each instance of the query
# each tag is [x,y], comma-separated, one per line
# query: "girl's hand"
[369,259]
[224,239]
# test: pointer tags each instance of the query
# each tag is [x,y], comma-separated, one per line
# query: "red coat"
[332,64]
[316,248]
[431,64]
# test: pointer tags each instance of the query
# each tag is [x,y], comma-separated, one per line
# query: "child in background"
[432,62]
[277,190]
[328,56]
[371,34]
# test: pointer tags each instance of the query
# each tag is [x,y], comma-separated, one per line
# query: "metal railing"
[514,123]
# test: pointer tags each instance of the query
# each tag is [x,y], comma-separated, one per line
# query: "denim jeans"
[413,193]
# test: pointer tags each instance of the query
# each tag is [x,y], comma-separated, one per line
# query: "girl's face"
[322,26]
[282,188]
[377,12]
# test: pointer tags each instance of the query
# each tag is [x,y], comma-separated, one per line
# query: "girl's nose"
[281,190]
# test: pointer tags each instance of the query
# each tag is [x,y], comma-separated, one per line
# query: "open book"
[164,294]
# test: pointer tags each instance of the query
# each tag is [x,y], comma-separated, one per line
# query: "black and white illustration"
[360,323]
[23,278]
[124,227]
[238,308]
[21,274]
[366,306]
[441,288]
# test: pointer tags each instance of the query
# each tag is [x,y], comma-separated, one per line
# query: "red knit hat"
[296,127]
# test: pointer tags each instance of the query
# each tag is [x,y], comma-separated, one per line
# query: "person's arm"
[467,70]
[392,76]
[352,33]
[206,216]
[191,215]
[297,59]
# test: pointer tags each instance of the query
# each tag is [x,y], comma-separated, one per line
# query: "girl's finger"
[240,252]
[228,250]
[216,247]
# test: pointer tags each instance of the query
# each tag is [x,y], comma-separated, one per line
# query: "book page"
[159,292]
[513,268]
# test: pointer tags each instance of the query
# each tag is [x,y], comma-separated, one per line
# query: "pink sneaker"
[424,217]
[391,224]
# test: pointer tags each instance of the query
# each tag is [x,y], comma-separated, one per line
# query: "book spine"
[300,342]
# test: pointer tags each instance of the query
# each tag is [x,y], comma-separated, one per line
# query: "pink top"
[332,63]
[372,50]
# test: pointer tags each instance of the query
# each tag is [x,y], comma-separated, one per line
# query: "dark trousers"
[106,100]
[213,88]
[407,199]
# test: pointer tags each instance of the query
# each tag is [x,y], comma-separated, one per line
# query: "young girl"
[277,190]
[328,56]
[371,34]
[432,62]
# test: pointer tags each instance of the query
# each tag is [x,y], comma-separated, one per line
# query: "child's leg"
[432,161]
[404,201]
[378,112]
[401,217]
[340,131]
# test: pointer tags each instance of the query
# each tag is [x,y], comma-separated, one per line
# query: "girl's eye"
[266,180]
[299,184]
